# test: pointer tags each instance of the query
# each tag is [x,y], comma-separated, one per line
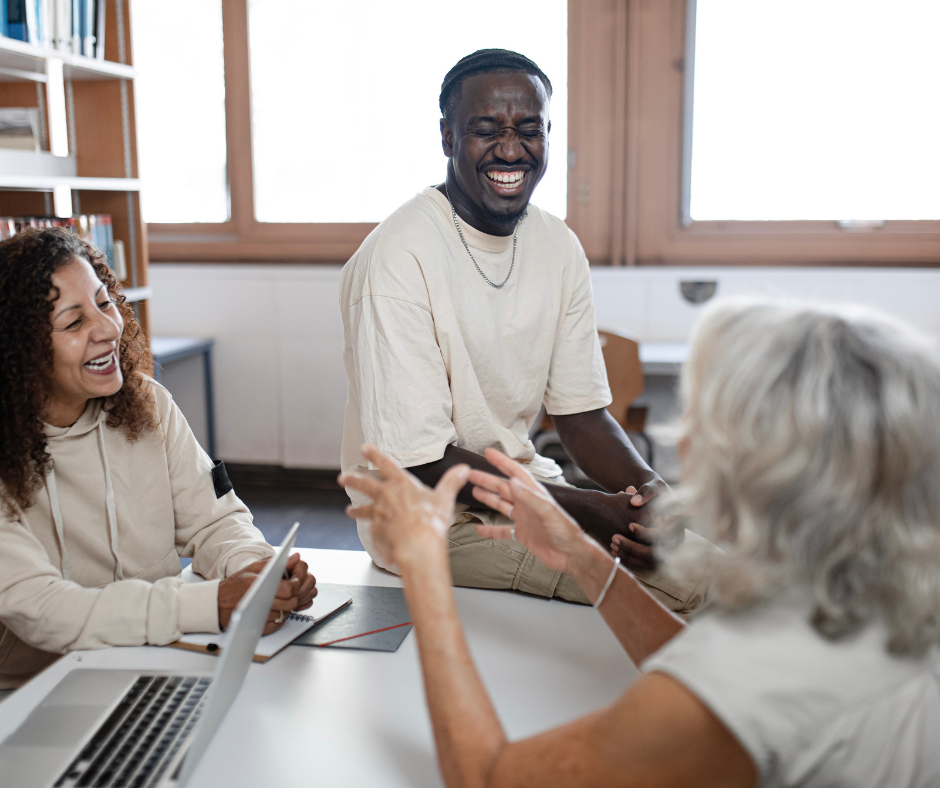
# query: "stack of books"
[73,26]
[94,228]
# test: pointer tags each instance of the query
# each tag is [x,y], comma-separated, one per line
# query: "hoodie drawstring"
[109,500]
[66,564]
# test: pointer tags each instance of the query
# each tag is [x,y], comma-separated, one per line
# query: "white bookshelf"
[48,182]
[88,164]
[22,61]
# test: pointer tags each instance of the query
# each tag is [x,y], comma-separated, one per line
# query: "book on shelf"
[95,228]
[19,128]
[73,26]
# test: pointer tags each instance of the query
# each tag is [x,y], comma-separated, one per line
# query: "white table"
[354,718]
[663,358]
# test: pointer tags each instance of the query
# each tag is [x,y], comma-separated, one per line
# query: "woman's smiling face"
[86,335]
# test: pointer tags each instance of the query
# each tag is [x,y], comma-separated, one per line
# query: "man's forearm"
[600,448]
[600,514]
[431,473]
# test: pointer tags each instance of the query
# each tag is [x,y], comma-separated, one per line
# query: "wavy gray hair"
[811,443]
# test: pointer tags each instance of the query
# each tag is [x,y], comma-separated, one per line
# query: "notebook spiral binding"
[300,617]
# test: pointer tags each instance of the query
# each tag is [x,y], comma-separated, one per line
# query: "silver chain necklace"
[515,239]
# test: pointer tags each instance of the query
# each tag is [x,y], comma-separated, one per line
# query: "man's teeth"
[100,363]
[507,178]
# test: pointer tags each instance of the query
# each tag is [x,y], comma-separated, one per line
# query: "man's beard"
[506,221]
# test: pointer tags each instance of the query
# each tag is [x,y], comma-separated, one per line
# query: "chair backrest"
[624,373]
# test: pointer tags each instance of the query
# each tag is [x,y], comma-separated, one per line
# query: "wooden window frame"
[626,116]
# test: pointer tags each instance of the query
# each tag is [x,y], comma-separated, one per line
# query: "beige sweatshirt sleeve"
[217,533]
[50,613]
[53,614]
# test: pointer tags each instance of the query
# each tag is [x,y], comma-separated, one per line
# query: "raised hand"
[405,513]
[542,526]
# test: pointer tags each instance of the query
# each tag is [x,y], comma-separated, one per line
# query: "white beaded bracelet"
[610,580]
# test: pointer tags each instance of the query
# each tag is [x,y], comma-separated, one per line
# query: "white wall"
[646,303]
[280,386]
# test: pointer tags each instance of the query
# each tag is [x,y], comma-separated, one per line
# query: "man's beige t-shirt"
[436,356]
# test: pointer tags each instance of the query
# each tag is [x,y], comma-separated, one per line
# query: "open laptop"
[138,728]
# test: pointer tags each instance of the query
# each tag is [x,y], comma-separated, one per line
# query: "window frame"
[627,133]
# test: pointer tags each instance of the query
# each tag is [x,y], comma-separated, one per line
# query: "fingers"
[452,483]
[495,531]
[510,467]
[288,589]
[639,533]
[493,501]
[296,568]
[307,592]
[272,624]
[386,465]
[360,512]
[364,484]
[632,553]
[307,601]
[522,494]
[645,494]
[494,484]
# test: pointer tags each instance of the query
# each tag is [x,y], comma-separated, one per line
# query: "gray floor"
[321,514]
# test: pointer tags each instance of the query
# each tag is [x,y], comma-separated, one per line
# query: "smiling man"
[468,308]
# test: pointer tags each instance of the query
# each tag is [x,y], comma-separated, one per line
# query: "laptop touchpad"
[56,726]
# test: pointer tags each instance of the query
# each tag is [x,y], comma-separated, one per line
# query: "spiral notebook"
[325,604]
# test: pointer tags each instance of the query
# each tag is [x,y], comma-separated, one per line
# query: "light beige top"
[810,711]
[436,356]
[108,573]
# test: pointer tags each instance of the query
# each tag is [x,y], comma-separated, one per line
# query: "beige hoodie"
[94,561]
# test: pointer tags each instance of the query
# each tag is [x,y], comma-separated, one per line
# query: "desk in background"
[663,358]
[356,718]
[177,362]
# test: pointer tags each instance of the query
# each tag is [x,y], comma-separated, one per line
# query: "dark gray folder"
[379,611]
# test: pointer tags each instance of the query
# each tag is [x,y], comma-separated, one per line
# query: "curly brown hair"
[27,262]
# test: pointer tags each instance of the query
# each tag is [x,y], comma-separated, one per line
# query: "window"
[744,137]
[816,109]
[180,94]
[344,98]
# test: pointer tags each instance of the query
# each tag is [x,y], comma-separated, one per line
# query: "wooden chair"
[625,377]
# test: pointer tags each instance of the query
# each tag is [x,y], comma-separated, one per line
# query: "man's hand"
[406,515]
[636,546]
[542,526]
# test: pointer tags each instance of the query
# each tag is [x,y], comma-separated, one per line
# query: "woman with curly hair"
[103,486]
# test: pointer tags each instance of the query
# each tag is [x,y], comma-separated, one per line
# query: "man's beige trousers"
[478,562]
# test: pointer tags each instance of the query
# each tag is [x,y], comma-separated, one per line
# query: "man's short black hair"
[485,61]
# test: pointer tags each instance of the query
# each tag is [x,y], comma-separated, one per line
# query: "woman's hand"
[406,515]
[293,594]
[306,583]
[542,526]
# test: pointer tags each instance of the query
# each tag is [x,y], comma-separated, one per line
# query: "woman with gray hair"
[811,452]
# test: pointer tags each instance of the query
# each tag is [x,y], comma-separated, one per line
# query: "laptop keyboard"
[139,740]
